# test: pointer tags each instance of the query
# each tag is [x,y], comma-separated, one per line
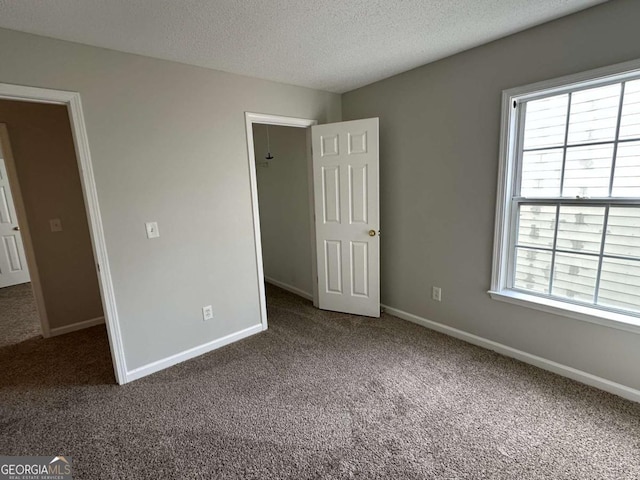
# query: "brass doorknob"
[372,233]
[17,229]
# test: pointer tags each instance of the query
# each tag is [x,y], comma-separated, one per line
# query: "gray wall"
[283,195]
[168,144]
[439,138]
[47,168]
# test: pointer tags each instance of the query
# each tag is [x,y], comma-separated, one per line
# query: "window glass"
[576,197]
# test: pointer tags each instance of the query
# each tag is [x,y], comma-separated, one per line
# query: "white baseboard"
[54,332]
[563,370]
[288,288]
[153,367]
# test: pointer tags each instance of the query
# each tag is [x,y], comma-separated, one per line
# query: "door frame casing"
[72,101]
[282,121]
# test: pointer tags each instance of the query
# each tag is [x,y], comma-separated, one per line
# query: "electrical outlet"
[55,224]
[207,312]
[436,294]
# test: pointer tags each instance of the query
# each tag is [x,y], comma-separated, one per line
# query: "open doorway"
[48,279]
[19,319]
[343,204]
[282,197]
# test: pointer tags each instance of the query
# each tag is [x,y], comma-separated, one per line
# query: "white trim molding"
[580,312]
[543,363]
[250,119]
[76,117]
[74,327]
[154,367]
[289,288]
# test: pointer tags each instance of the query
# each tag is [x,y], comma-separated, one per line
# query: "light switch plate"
[152,229]
[55,224]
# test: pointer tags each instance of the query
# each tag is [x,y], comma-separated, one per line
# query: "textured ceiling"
[334,45]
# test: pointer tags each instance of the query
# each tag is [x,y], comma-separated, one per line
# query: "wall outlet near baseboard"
[436,294]
[207,313]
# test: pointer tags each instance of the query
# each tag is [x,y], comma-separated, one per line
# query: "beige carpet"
[18,315]
[319,395]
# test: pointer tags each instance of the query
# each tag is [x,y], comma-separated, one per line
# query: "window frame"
[506,221]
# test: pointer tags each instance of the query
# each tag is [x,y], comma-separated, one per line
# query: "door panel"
[346,197]
[333,265]
[331,193]
[358,198]
[13,266]
[11,250]
[359,269]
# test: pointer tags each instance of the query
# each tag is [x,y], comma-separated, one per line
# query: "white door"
[13,265]
[347,218]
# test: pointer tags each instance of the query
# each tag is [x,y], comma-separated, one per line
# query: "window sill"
[620,321]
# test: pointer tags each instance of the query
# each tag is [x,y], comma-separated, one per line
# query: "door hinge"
[98,266]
